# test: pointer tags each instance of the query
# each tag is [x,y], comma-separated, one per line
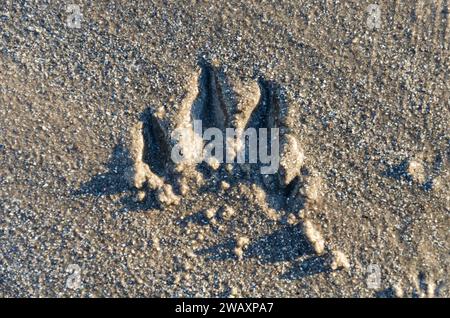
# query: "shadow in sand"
[198,218]
[398,172]
[311,266]
[386,293]
[113,181]
[285,244]
[219,252]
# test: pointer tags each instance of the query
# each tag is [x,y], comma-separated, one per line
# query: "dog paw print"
[250,118]
[235,131]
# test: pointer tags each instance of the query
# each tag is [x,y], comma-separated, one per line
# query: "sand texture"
[92,204]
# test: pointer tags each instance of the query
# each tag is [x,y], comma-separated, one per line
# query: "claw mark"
[140,171]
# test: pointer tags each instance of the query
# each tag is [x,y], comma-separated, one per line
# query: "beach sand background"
[368,103]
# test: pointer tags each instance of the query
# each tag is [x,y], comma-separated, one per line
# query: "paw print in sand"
[220,104]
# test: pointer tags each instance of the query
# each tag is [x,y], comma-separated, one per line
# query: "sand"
[360,207]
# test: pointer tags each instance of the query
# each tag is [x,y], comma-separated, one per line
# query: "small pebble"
[228,212]
[224,185]
[210,213]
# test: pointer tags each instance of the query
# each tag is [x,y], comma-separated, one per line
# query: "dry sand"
[365,115]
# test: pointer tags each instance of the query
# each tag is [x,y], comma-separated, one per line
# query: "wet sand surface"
[366,100]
